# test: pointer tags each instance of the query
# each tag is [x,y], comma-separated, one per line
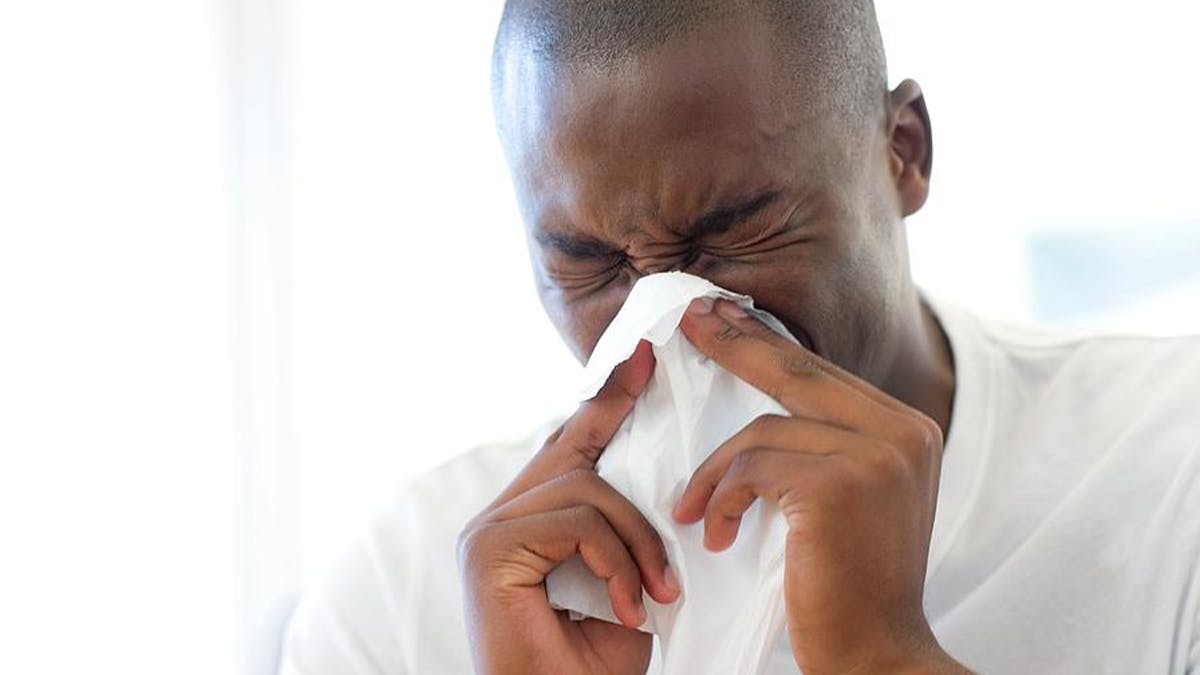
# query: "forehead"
[693,121]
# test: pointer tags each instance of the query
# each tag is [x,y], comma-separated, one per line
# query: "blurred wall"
[260,263]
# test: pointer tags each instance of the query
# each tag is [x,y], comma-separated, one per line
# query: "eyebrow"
[719,220]
[727,216]
[574,245]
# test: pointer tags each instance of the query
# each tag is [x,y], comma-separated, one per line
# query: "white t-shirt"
[1067,535]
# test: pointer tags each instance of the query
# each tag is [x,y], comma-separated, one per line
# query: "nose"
[680,260]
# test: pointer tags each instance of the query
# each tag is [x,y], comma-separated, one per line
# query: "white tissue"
[731,611]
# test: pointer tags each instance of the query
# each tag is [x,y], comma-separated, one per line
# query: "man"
[959,495]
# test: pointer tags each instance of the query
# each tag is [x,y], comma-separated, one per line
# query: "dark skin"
[705,156]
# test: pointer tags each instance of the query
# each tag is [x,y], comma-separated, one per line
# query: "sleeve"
[335,628]
[393,605]
[363,619]
[1193,661]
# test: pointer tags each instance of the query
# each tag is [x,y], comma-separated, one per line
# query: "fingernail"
[732,310]
[671,579]
[700,306]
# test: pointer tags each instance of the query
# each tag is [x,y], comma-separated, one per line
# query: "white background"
[260,263]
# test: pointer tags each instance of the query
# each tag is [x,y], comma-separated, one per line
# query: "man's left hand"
[854,472]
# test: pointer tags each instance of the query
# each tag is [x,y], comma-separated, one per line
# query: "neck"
[923,375]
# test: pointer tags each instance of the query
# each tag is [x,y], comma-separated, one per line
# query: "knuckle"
[933,434]
[763,331]
[741,468]
[763,426]
[705,479]
[593,443]
[740,478]
[730,502]
[588,444]
[921,435]
[717,505]
[728,333]
[472,542]
[887,464]
[577,476]
[842,485]
[624,390]
[799,364]
[585,519]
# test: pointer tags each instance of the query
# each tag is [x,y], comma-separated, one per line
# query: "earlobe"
[910,145]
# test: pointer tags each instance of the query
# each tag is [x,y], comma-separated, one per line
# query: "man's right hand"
[558,507]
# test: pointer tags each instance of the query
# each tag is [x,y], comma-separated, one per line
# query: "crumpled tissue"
[731,611]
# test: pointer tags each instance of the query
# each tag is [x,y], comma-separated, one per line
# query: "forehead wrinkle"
[587,147]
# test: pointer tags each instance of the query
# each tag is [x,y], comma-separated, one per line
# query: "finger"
[588,432]
[753,474]
[557,535]
[797,379]
[773,432]
[734,314]
[723,517]
[902,424]
[583,487]
[905,421]
[583,437]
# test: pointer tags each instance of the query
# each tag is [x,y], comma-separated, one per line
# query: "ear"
[910,145]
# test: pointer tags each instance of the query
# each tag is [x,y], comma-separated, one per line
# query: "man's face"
[702,157]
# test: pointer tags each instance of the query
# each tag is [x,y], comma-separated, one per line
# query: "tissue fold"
[731,611]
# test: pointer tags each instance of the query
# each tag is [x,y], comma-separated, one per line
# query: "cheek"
[581,321]
[787,284]
[832,287]
[868,287]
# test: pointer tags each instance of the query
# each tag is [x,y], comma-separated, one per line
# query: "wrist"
[928,660]
[939,663]
[921,655]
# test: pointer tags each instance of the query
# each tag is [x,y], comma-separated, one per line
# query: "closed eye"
[574,246]
[767,236]
[581,276]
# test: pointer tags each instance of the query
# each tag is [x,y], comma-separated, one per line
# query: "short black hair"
[838,40]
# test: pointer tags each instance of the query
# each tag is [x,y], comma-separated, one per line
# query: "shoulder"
[1070,348]
[1154,378]
[1097,387]
[441,501]
[392,604]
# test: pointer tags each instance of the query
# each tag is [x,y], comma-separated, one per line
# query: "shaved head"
[754,143]
[831,49]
